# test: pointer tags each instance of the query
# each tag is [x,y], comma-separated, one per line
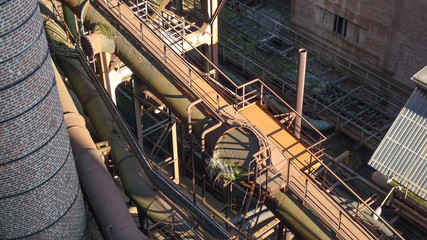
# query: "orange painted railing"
[254,91]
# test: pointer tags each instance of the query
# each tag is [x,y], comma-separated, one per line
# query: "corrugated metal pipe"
[113,217]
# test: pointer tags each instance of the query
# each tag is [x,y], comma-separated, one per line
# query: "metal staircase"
[172,28]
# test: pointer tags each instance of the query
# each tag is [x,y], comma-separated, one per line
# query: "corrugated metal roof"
[402,154]
[421,77]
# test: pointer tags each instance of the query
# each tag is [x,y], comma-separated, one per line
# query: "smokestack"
[40,196]
[300,90]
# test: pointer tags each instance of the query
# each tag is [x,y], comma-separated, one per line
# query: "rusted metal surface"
[136,173]
[190,131]
[95,43]
[219,106]
[109,208]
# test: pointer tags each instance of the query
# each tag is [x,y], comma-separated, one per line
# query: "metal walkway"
[331,95]
[292,160]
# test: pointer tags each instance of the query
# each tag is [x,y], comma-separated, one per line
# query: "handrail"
[179,57]
[198,51]
[150,4]
[313,155]
[309,98]
[327,169]
[181,75]
[299,44]
[154,176]
[323,46]
[396,108]
[265,88]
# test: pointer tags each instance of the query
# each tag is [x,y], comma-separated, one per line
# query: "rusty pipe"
[136,183]
[206,132]
[142,64]
[109,209]
[189,111]
[193,168]
[95,43]
[135,180]
[161,84]
[300,90]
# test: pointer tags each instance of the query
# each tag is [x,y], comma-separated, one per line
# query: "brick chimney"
[40,196]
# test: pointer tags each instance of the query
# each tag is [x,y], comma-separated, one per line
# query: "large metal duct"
[298,218]
[141,63]
[110,211]
[40,196]
[137,185]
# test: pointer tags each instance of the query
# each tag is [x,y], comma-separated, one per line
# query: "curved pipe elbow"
[208,131]
[95,43]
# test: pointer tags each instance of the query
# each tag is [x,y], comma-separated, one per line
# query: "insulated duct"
[141,63]
[111,213]
[40,196]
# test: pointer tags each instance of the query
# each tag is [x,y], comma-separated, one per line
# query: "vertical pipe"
[137,113]
[174,141]
[300,90]
[103,61]
[190,130]
[214,36]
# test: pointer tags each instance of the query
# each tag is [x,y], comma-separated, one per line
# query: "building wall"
[40,196]
[392,33]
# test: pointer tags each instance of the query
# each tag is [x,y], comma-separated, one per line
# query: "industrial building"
[207,119]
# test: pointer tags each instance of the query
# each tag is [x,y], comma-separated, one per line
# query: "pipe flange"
[87,46]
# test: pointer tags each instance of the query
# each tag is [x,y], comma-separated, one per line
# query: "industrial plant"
[213,119]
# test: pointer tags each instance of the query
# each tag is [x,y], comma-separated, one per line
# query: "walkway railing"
[334,114]
[258,91]
[183,71]
[350,124]
[364,75]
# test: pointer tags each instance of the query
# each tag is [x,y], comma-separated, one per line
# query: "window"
[339,25]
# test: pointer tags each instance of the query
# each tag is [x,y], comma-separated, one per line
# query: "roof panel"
[421,77]
[402,154]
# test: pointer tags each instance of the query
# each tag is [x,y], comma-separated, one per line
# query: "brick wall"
[40,196]
[394,33]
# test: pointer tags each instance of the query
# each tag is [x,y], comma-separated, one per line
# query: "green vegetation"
[410,194]
[104,30]
[228,15]
[223,171]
